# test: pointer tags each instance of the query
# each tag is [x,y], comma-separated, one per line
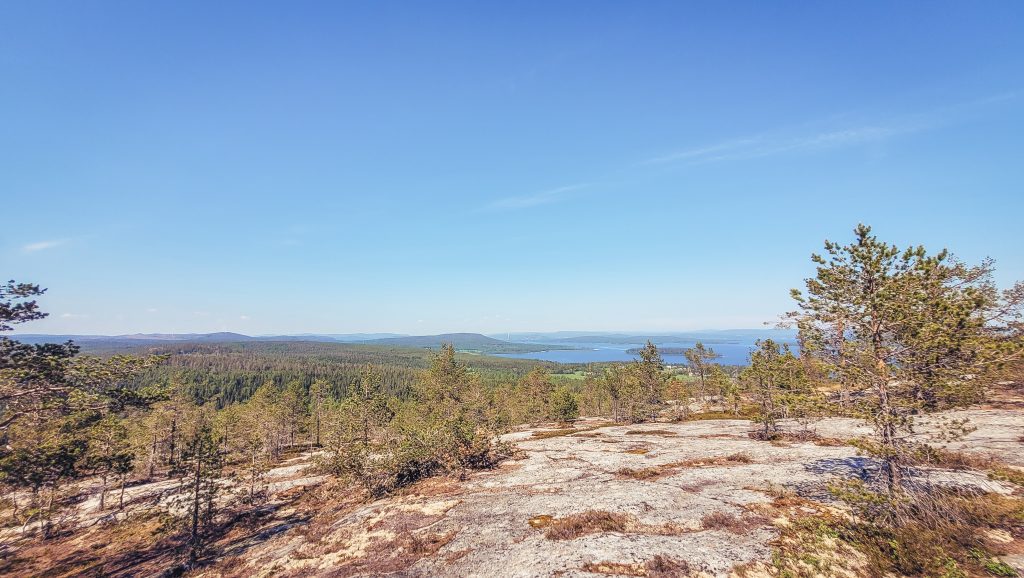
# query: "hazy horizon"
[568,332]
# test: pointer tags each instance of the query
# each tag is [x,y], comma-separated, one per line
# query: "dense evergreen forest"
[231,373]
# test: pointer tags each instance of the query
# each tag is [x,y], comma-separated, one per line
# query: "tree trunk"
[151,463]
[252,479]
[887,430]
[193,554]
[103,493]
[45,517]
[318,426]
[171,449]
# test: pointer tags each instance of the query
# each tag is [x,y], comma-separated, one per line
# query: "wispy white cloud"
[42,245]
[768,145]
[152,310]
[536,199]
[703,151]
[824,134]
[73,315]
[825,137]
[243,317]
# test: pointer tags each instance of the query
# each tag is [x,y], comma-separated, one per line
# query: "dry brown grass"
[953,460]
[730,523]
[1007,474]
[933,532]
[729,460]
[598,521]
[588,522]
[665,567]
[658,567]
[615,569]
[671,468]
[643,473]
[138,546]
[541,521]
[830,442]
[653,432]
[638,451]
[541,435]
[427,544]
[943,458]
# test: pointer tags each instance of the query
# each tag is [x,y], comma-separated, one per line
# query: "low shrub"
[927,532]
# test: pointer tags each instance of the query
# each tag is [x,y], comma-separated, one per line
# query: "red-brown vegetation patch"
[638,451]
[388,556]
[427,544]
[140,545]
[719,436]
[658,567]
[576,432]
[731,523]
[588,522]
[615,569]
[652,432]
[541,521]
[729,460]
[671,468]
[643,473]
[667,567]
[599,521]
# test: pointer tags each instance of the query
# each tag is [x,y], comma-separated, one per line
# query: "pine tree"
[318,395]
[564,408]
[700,361]
[200,468]
[533,397]
[776,381]
[649,389]
[109,454]
[906,332]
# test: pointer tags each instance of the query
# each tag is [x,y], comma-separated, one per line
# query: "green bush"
[563,407]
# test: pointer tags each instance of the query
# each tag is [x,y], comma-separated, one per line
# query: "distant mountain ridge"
[461,341]
[470,342]
[474,342]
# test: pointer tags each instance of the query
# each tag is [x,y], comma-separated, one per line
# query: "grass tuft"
[588,522]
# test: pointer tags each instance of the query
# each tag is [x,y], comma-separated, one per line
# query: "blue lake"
[733,353]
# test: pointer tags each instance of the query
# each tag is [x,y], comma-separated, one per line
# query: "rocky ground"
[699,498]
[660,499]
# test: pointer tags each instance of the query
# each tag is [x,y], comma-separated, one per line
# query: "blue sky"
[425,167]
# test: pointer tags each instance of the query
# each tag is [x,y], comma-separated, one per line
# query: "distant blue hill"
[474,342]
[463,342]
